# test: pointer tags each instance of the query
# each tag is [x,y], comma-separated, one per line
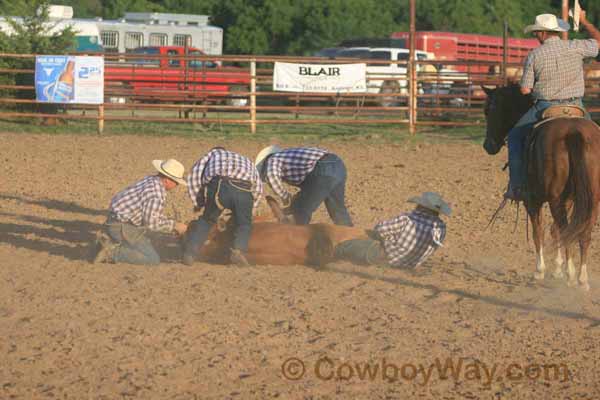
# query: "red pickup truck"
[167,73]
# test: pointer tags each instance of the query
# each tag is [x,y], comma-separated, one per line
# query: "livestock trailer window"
[133,40]
[158,39]
[110,40]
[180,39]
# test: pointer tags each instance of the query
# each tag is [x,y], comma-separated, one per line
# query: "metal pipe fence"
[241,88]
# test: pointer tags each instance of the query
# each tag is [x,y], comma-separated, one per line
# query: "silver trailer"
[160,29]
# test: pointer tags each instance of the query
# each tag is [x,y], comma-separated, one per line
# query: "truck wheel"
[392,88]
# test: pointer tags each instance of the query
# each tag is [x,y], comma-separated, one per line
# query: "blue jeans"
[326,182]
[361,252]
[134,247]
[221,194]
[518,135]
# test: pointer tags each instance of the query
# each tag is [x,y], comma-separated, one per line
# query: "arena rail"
[240,87]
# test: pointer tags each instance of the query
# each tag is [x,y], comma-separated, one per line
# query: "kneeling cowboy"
[553,75]
[134,210]
[404,241]
[222,180]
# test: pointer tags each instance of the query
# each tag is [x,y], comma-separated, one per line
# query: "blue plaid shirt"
[291,166]
[410,238]
[142,204]
[219,162]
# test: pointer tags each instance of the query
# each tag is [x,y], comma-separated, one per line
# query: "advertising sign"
[325,78]
[69,79]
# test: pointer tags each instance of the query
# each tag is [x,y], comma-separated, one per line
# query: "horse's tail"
[319,250]
[580,186]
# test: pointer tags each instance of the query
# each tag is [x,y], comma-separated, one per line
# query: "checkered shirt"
[291,166]
[555,69]
[142,204]
[410,238]
[219,162]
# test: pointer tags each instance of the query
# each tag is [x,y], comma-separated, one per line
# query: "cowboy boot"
[105,249]
[238,258]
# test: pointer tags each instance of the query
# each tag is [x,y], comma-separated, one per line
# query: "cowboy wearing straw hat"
[320,175]
[134,210]
[404,241]
[553,74]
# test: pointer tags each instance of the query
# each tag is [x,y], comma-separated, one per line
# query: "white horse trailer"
[86,31]
[160,29]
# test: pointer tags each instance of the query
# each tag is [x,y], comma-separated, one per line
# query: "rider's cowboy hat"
[548,22]
[172,169]
[432,201]
[263,154]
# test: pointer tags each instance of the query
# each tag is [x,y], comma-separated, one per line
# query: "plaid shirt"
[142,204]
[410,238]
[219,162]
[555,69]
[291,166]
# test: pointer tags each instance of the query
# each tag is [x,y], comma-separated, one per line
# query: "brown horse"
[563,170]
[280,243]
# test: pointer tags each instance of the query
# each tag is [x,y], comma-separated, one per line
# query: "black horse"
[563,170]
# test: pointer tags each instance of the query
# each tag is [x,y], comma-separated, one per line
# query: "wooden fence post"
[412,93]
[100,119]
[253,96]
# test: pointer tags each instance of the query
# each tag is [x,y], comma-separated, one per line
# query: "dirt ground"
[73,330]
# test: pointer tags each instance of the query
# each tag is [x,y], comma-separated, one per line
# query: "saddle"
[560,111]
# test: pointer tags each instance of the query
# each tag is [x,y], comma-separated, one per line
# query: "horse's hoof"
[584,286]
[572,283]
[558,274]
[538,276]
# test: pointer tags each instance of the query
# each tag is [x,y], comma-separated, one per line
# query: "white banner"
[324,78]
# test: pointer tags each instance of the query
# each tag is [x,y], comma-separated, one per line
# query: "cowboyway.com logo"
[460,369]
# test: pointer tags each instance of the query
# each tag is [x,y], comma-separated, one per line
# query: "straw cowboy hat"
[172,169]
[548,22]
[432,201]
[264,153]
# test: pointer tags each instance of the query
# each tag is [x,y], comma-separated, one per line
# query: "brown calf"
[280,243]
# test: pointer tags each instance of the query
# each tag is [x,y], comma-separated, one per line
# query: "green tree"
[35,34]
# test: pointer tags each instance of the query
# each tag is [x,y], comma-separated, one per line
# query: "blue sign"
[55,79]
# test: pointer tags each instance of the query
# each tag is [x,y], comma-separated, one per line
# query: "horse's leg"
[559,213]
[559,260]
[584,244]
[535,215]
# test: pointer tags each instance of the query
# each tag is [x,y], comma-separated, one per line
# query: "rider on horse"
[553,75]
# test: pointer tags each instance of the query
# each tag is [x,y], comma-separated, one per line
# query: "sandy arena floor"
[73,330]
